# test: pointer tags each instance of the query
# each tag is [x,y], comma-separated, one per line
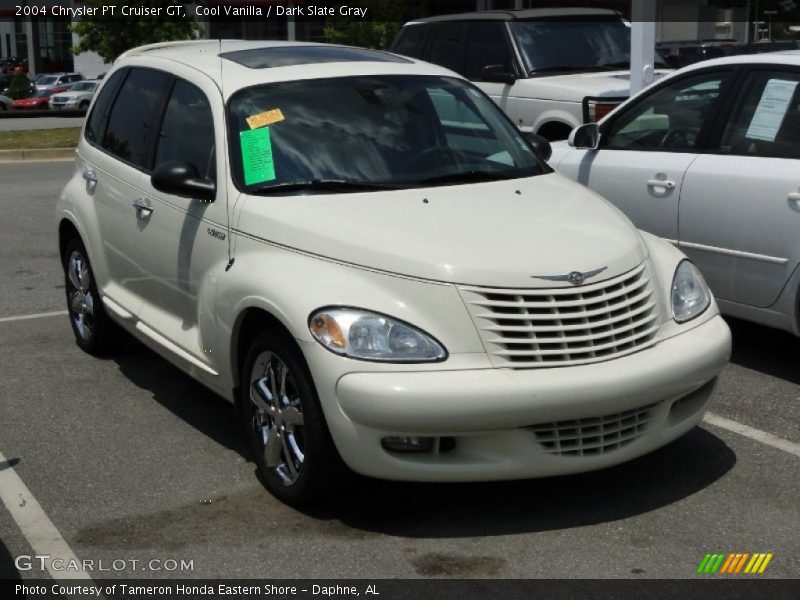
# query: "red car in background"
[39,101]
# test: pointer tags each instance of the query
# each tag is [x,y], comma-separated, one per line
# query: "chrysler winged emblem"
[575,277]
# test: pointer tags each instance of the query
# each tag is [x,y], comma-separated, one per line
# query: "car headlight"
[367,335]
[690,294]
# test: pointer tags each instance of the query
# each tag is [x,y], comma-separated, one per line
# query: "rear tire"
[94,331]
[284,424]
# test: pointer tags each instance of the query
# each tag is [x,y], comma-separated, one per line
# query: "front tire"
[93,330]
[284,424]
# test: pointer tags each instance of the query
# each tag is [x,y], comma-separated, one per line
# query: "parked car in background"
[39,101]
[371,261]
[5,102]
[770,46]
[5,82]
[548,69]
[709,158]
[54,80]
[682,54]
[77,97]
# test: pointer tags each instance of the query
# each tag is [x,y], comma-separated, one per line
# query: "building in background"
[45,46]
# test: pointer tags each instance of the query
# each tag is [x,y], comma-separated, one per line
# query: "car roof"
[783,57]
[521,15]
[243,63]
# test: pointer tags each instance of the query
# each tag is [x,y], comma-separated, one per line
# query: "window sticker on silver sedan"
[771,110]
[257,160]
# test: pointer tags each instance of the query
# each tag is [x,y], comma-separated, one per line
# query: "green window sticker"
[257,155]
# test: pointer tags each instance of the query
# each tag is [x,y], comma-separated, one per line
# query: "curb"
[36,154]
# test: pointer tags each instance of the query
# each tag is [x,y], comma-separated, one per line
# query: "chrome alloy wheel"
[79,293]
[277,417]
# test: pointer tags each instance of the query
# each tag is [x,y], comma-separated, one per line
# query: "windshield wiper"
[468,177]
[324,185]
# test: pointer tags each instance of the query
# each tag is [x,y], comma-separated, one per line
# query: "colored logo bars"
[735,562]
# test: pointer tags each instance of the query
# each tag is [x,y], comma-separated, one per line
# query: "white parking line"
[754,434]
[35,525]
[58,313]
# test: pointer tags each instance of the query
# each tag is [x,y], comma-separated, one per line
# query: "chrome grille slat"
[565,314]
[584,338]
[544,327]
[593,435]
[580,326]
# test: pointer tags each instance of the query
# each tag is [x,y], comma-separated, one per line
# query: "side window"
[187,132]
[447,47]
[133,117]
[96,123]
[671,118]
[411,41]
[765,120]
[487,45]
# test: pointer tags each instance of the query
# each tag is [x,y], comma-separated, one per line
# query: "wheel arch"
[554,130]
[250,323]
[67,231]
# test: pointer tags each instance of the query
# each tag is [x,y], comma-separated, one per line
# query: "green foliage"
[20,87]
[377,30]
[110,36]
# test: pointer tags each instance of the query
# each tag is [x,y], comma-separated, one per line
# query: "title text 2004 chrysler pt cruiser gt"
[365,254]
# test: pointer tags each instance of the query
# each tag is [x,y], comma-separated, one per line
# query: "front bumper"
[489,413]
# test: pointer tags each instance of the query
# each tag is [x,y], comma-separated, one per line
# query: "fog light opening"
[407,444]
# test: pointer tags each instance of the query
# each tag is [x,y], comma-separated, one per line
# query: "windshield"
[82,87]
[47,80]
[576,45]
[356,133]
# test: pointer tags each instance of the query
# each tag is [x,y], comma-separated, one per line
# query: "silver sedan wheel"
[277,417]
[81,300]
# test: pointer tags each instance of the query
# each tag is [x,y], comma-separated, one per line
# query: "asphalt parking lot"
[132,460]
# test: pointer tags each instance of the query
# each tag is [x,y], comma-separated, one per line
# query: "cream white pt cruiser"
[365,255]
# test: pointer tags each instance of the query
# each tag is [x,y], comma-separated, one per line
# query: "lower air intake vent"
[594,435]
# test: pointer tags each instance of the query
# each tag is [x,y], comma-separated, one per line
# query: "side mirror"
[497,74]
[586,137]
[540,145]
[181,178]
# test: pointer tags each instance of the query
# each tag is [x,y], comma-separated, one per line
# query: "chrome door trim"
[775,260]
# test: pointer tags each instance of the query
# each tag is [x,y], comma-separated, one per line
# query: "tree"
[376,30]
[111,35]
[20,87]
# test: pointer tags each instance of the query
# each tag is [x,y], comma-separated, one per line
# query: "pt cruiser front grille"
[594,435]
[528,328]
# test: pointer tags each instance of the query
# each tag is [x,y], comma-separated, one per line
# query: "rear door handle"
[89,176]
[142,208]
[794,197]
[663,183]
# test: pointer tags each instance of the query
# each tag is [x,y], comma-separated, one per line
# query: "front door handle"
[663,183]
[89,176]
[142,208]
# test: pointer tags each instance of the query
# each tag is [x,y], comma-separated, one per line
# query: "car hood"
[494,234]
[574,87]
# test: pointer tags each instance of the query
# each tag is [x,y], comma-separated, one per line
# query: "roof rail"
[158,45]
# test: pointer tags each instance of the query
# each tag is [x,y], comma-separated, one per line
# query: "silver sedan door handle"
[663,183]
[89,176]
[142,208]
